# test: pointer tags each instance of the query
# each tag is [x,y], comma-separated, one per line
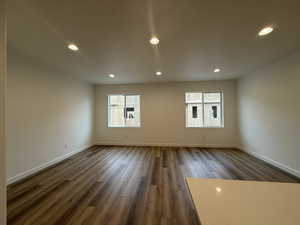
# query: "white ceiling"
[196,36]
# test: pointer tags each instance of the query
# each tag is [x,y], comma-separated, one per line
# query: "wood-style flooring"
[128,186]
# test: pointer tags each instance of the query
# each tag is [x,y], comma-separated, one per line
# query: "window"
[204,109]
[123,111]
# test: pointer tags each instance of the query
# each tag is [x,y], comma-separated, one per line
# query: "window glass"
[204,109]
[212,97]
[194,115]
[132,114]
[212,115]
[123,111]
[116,111]
[193,97]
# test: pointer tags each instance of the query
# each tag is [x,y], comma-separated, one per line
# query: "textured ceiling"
[196,36]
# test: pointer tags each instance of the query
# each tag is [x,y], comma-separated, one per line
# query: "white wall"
[2,113]
[163,115]
[269,109]
[45,111]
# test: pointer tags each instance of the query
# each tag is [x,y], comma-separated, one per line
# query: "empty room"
[149,112]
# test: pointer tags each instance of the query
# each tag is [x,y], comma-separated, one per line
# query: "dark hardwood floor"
[127,186]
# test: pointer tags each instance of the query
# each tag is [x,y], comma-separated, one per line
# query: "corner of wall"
[34,170]
[3,63]
[268,160]
[258,89]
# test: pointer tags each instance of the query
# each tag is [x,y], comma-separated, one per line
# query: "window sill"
[125,127]
[207,127]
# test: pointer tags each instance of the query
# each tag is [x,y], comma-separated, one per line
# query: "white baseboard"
[27,173]
[167,144]
[273,162]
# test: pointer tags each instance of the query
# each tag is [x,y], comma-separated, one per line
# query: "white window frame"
[202,103]
[108,111]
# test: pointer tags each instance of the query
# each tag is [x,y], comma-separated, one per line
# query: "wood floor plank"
[108,185]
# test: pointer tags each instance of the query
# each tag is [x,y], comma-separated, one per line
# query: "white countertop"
[232,202]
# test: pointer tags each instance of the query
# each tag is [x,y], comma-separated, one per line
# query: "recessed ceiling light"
[111,75]
[217,70]
[73,47]
[158,73]
[218,189]
[265,31]
[154,41]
